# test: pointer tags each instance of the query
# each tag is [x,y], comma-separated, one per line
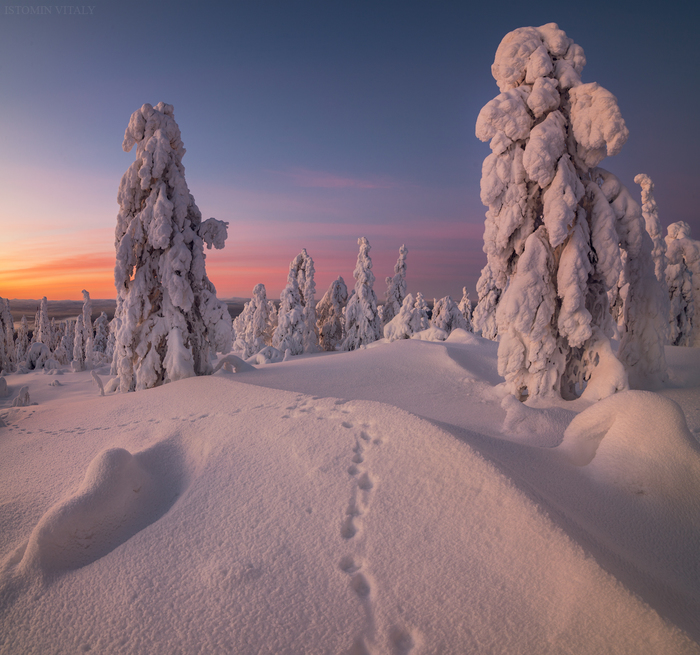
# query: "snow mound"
[637,440]
[431,334]
[460,335]
[120,495]
[538,427]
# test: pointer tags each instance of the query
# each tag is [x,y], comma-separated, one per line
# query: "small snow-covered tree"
[465,306]
[396,289]
[255,325]
[296,319]
[557,227]
[160,272]
[101,330]
[683,279]
[448,316]
[79,345]
[8,354]
[420,320]
[329,315]
[401,326]
[650,212]
[22,342]
[362,324]
[42,326]
[88,335]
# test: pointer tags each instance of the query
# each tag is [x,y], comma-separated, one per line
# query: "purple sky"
[307,124]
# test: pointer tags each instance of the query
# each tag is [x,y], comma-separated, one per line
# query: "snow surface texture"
[300,508]
[170,321]
[560,234]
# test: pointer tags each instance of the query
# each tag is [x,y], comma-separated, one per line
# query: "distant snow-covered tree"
[396,289]
[420,320]
[683,280]
[8,354]
[465,306]
[42,326]
[557,227]
[447,316]
[255,325]
[165,299]
[650,212]
[329,315]
[296,319]
[79,345]
[88,335]
[101,329]
[362,324]
[401,326]
[22,341]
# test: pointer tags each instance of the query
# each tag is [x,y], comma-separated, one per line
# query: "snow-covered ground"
[387,500]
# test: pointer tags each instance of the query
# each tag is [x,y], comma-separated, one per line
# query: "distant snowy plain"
[387,500]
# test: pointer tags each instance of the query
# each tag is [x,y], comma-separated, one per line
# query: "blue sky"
[307,124]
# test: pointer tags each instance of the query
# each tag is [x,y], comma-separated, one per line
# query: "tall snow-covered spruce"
[560,231]
[170,321]
[396,289]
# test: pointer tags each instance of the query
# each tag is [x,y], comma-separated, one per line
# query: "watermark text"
[49,10]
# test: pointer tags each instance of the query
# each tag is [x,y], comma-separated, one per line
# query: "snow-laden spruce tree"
[88,335]
[171,322]
[650,212]
[255,325]
[420,320]
[402,325]
[296,319]
[465,306]
[329,315]
[362,324]
[101,329]
[79,345]
[8,353]
[448,316]
[22,341]
[42,324]
[396,289]
[683,280]
[557,227]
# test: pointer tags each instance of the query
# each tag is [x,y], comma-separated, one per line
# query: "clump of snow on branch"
[683,280]
[165,299]
[560,234]
[329,315]
[396,289]
[362,324]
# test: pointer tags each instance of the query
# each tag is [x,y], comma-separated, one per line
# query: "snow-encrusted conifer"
[255,325]
[296,319]
[88,335]
[420,320]
[396,289]
[650,211]
[22,341]
[101,329]
[56,334]
[79,345]
[165,300]
[8,355]
[557,227]
[329,315]
[683,279]
[465,306]
[448,316]
[42,326]
[362,324]
[401,326]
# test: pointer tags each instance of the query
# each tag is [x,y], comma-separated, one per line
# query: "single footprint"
[401,641]
[360,585]
[348,565]
[345,424]
[348,529]
[365,482]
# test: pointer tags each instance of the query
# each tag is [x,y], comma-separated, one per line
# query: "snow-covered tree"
[22,341]
[296,319]
[79,345]
[650,212]
[683,279]
[329,315]
[88,335]
[420,320]
[448,316]
[396,289]
[255,325]
[101,330]
[557,226]
[57,331]
[42,325]
[401,326]
[171,322]
[8,354]
[465,306]
[362,324]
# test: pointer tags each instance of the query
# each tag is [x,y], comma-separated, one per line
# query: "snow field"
[318,520]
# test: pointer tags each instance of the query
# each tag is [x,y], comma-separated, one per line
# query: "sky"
[307,125]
